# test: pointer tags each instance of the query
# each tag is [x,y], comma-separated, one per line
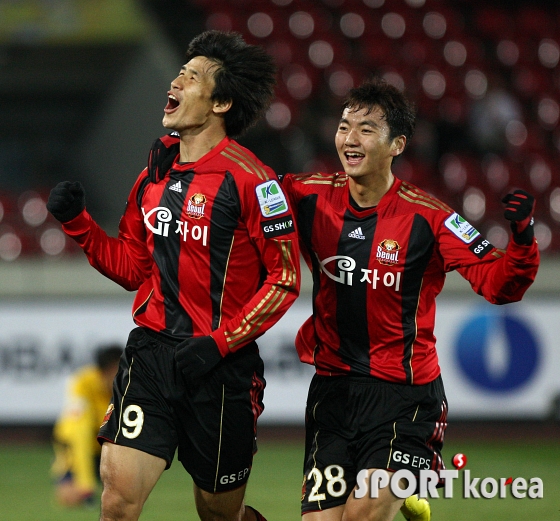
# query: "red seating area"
[456,59]
[485,77]
[28,230]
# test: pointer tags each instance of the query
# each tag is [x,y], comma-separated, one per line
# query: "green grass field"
[275,485]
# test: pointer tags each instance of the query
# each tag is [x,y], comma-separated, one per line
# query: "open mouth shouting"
[172,104]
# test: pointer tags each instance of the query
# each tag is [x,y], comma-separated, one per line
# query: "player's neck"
[196,145]
[367,191]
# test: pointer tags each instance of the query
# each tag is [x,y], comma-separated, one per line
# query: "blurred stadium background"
[82,88]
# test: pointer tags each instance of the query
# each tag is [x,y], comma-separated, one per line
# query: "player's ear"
[221,107]
[397,146]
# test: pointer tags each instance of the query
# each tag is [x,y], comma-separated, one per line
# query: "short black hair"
[246,76]
[400,113]
[107,355]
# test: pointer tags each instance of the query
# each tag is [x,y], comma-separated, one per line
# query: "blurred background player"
[379,249]
[77,452]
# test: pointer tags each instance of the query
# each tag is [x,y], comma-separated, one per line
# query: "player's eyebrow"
[369,123]
[184,68]
[363,123]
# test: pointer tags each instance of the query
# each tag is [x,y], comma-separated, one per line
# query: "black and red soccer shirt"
[211,248]
[377,272]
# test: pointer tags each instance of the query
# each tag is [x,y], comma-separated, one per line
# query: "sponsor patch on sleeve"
[279,226]
[481,247]
[461,228]
[271,198]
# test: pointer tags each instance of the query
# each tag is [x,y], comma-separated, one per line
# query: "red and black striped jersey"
[377,272]
[211,248]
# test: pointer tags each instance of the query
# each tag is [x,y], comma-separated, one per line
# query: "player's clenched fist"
[66,200]
[196,356]
[519,211]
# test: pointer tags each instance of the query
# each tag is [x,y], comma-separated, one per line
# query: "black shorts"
[213,425]
[354,423]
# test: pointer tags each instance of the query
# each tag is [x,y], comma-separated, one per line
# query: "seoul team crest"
[195,206]
[388,252]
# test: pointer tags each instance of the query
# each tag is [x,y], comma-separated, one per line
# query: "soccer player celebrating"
[379,249]
[210,247]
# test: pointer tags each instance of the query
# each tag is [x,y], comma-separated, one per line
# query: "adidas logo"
[357,234]
[176,187]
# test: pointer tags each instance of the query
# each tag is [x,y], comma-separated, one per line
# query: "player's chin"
[169,122]
[353,172]
[352,169]
[166,123]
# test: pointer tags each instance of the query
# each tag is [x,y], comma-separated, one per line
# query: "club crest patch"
[195,206]
[388,252]
[272,200]
[461,228]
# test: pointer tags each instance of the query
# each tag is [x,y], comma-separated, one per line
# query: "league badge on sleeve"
[461,228]
[271,199]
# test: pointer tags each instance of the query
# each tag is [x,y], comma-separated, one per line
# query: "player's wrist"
[524,237]
[221,342]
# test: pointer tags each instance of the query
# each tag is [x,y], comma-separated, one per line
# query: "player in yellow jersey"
[77,452]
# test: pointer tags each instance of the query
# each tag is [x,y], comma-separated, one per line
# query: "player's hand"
[196,356]
[66,201]
[163,152]
[519,211]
